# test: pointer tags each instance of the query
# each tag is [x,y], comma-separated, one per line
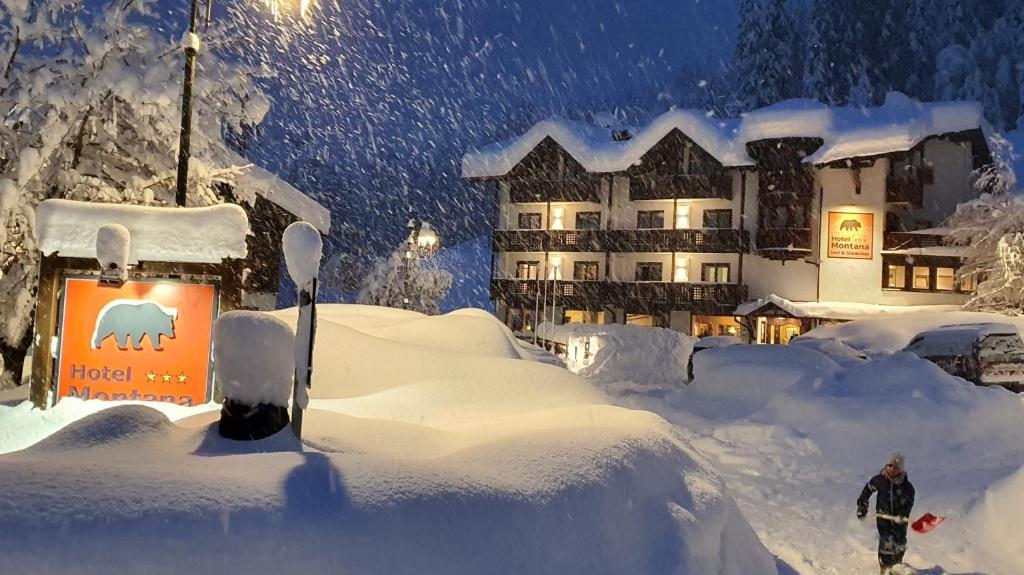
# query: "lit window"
[944,279]
[682,216]
[682,272]
[968,284]
[584,271]
[558,219]
[896,277]
[526,270]
[921,277]
[714,273]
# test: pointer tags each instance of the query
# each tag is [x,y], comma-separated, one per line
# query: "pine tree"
[765,65]
[824,78]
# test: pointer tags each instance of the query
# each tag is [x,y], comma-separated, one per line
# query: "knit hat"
[896,460]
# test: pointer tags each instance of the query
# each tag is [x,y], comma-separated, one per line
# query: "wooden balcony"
[775,186]
[690,186]
[634,297]
[685,240]
[783,243]
[908,188]
[582,189]
[620,241]
[904,240]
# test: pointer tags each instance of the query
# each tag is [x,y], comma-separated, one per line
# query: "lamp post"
[190,43]
[421,240]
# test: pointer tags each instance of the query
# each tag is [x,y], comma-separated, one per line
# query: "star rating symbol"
[167,377]
[182,377]
[151,377]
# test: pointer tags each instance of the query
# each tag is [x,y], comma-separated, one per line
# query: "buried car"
[709,342]
[982,353]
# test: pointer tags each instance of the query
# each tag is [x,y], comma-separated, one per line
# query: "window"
[526,270]
[714,273]
[682,272]
[584,271]
[922,277]
[718,219]
[529,221]
[944,279]
[650,219]
[968,284]
[588,220]
[648,271]
[895,276]
[682,216]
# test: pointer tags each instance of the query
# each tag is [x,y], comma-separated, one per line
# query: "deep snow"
[433,445]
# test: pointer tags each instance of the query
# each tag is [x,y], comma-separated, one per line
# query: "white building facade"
[763,226]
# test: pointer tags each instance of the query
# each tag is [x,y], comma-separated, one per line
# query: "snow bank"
[254,357]
[618,353]
[995,522]
[897,126]
[205,235]
[881,335]
[426,452]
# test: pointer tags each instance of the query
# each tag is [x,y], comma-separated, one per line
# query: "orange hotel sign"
[850,235]
[141,340]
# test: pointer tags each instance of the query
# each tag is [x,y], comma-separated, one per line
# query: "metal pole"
[185,140]
[304,373]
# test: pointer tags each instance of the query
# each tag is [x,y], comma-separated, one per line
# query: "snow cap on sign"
[253,357]
[303,249]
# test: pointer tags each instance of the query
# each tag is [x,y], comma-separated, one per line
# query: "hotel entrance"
[778,330]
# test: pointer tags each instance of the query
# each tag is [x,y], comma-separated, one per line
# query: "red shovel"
[922,525]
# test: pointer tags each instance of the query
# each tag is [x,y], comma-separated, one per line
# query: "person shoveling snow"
[892,510]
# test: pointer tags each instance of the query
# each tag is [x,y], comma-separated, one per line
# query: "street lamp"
[420,241]
[190,42]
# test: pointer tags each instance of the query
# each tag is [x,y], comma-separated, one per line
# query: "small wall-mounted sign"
[850,235]
[141,340]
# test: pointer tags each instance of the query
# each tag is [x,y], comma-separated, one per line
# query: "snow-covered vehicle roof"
[711,341]
[958,339]
[897,126]
[201,235]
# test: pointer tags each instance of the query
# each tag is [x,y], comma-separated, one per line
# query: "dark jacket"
[893,499]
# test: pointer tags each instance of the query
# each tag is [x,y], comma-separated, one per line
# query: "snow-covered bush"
[414,282]
[90,98]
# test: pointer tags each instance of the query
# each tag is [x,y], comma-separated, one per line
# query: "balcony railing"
[686,240]
[783,243]
[635,297]
[904,240]
[657,187]
[583,189]
[908,187]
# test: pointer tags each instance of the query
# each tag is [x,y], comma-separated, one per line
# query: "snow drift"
[431,446]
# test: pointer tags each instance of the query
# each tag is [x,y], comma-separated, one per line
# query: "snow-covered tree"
[766,68]
[992,229]
[406,280]
[90,100]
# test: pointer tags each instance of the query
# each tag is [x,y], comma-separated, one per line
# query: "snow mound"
[740,379]
[617,353]
[254,357]
[303,250]
[423,460]
[995,521]
[883,335]
[204,235]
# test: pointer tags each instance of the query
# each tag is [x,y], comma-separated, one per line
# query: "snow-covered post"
[190,44]
[253,361]
[113,248]
[410,253]
[303,250]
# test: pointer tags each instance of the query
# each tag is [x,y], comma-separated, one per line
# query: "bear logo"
[850,226]
[129,320]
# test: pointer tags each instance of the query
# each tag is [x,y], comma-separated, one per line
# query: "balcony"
[684,240]
[548,241]
[908,188]
[904,240]
[583,189]
[784,243]
[784,186]
[690,186]
[634,297]
[619,241]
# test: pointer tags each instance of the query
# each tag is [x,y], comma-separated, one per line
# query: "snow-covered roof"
[897,126]
[256,180]
[841,310]
[201,235]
